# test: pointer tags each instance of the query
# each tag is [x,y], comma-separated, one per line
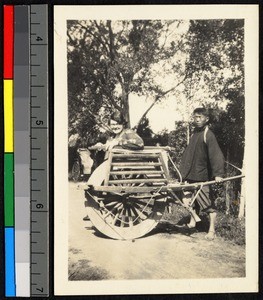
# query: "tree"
[107,61]
[216,65]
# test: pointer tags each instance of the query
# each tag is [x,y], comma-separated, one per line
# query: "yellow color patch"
[9,115]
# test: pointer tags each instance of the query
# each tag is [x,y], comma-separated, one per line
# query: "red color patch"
[8,41]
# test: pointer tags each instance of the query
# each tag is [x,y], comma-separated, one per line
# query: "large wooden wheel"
[135,202]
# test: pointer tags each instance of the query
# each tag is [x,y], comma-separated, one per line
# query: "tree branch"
[111,37]
[157,98]
[99,30]
[97,37]
[70,38]
[93,118]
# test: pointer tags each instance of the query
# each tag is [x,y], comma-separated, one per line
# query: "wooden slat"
[124,189]
[138,172]
[129,189]
[147,149]
[135,155]
[130,164]
[135,167]
[152,180]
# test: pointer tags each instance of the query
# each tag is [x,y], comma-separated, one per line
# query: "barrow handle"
[198,184]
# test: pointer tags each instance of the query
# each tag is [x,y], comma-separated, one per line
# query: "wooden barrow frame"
[132,191]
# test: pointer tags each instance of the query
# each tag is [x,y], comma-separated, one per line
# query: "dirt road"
[160,255]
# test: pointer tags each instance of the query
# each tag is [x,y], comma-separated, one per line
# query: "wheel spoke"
[122,221]
[111,203]
[140,196]
[146,203]
[136,215]
[130,222]
[131,212]
[142,204]
[116,207]
[116,218]
[142,214]
[134,212]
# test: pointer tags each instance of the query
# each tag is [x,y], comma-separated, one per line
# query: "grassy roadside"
[228,226]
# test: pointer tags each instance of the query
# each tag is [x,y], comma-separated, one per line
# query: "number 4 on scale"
[38,39]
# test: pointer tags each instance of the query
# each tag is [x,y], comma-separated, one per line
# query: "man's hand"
[218,179]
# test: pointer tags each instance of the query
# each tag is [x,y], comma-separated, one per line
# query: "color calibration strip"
[26,205]
[9,220]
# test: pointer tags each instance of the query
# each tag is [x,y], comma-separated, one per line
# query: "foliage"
[161,138]
[216,61]
[178,140]
[228,226]
[145,132]
[110,60]
[107,61]
[231,228]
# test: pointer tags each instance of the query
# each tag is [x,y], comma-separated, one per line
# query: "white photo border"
[187,286]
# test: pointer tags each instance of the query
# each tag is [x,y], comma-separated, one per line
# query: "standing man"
[202,161]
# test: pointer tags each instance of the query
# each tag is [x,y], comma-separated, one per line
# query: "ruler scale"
[39,193]
[22,149]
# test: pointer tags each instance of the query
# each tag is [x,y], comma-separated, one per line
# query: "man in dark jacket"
[202,161]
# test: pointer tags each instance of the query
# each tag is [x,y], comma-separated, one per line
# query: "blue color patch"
[10,288]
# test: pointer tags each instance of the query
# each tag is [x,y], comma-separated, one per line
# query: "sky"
[161,116]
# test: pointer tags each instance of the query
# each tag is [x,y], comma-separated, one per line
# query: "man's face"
[116,127]
[200,120]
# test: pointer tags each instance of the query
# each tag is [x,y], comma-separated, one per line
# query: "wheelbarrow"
[127,195]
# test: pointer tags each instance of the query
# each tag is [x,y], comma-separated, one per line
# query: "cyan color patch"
[10,287]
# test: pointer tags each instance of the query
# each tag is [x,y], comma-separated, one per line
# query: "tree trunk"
[126,108]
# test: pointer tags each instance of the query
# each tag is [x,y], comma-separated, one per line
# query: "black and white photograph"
[156,149]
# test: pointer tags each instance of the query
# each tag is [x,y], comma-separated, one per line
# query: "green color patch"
[9,188]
